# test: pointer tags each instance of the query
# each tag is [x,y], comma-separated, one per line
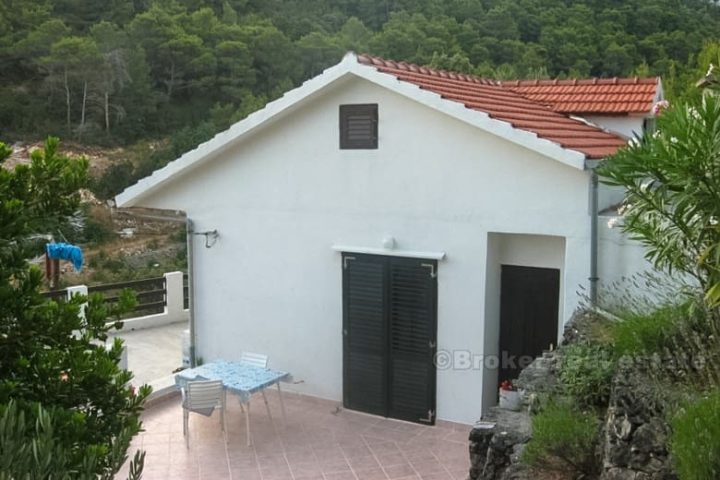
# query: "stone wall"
[634,436]
[497,441]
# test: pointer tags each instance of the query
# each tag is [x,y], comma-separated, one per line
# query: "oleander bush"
[32,448]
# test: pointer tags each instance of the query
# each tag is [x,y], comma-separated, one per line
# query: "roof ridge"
[374,60]
[634,80]
[412,68]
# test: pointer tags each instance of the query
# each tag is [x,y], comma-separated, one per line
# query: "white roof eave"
[349,65]
[205,151]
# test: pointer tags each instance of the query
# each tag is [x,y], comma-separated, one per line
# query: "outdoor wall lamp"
[389,243]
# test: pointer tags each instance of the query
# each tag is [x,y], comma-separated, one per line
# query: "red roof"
[503,104]
[596,95]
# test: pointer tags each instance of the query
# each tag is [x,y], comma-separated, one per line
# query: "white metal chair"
[257,360]
[261,360]
[202,397]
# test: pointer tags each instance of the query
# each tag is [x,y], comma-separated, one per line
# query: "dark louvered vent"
[390,331]
[359,126]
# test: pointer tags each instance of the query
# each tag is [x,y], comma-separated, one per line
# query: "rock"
[540,376]
[581,327]
[496,444]
[652,437]
[623,474]
[625,428]
[635,435]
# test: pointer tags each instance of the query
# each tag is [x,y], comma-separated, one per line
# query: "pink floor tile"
[320,441]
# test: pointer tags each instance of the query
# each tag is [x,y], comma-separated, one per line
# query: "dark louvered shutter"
[390,331]
[365,337]
[359,126]
[412,299]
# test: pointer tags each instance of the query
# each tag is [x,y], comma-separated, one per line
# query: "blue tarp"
[65,251]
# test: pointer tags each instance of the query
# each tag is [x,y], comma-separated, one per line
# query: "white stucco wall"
[282,198]
[626,125]
[609,196]
[620,256]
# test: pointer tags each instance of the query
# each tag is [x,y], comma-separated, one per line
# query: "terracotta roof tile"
[595,95]
[503,103]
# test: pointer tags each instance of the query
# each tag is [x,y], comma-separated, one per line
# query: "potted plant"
[510,397]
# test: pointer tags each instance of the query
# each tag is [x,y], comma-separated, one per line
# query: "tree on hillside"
[181,58]
[113,74]
[16,18]
[672,179]
[74,63]
[66,410]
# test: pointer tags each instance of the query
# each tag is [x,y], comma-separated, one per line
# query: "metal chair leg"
[282,404]
[186,433]
[267,406]
[247,424]
[222,411]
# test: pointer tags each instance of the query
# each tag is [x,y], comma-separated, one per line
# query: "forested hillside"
[119,71]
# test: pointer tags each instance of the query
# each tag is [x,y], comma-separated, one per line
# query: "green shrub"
[33,449]
[190,137]
[180,235]
[645,334]
[695,441]
[563,436]
[96,231]
[99,276]
[114,265]
[586,373]
[114,180]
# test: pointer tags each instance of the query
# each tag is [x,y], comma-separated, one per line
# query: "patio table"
[239,378]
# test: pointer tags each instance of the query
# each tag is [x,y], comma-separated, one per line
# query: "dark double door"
[529,300]
[390,336]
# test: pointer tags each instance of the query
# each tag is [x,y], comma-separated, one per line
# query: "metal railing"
[57,295]
[151,294]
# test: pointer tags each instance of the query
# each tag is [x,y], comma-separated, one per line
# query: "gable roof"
[478,102]
[501,103]
[617,96]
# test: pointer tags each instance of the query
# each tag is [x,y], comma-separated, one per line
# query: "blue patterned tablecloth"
[240,378]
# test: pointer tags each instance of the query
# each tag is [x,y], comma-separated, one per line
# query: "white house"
[386,231]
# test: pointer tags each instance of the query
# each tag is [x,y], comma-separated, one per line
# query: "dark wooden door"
[413,331]
[529,299]
[365,354]
[390,336]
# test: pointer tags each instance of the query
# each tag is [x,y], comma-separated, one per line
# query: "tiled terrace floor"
[319,441]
